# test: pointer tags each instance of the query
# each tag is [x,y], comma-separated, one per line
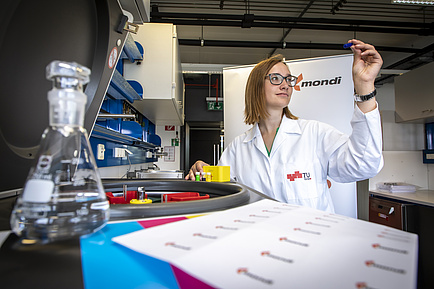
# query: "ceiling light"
[413,2]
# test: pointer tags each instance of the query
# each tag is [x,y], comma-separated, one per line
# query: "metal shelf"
[120,88]
[131,51]
[114,136]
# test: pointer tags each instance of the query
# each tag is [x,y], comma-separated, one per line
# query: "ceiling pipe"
[196,16]
[338,6]
[229,23]
[283,45]
[294,22]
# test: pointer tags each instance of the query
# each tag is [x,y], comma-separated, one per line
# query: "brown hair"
[255,92]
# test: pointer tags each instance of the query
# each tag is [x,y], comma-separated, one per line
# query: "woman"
[288,158]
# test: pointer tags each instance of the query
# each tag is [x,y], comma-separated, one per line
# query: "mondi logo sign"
[317,82]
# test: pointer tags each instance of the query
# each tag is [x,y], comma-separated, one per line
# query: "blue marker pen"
[348,45]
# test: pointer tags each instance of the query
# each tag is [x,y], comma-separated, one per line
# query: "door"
[202,144]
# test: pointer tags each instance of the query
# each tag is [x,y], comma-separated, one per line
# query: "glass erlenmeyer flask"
[63,195]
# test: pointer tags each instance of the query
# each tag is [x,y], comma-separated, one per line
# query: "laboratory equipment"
[141,197]
[63,195]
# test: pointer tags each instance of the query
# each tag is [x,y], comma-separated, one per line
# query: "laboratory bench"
[420,197]
[96,261]
[412,212]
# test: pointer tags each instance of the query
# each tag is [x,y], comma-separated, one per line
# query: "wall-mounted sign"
[170,150]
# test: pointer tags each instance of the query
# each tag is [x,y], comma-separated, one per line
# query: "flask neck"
[68,82]
[67,106]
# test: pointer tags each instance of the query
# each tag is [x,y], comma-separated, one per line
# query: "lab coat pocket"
[300,181]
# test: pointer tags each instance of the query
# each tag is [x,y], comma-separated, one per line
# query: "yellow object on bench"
[218,173]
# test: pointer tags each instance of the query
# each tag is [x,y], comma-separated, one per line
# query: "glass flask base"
[43,223]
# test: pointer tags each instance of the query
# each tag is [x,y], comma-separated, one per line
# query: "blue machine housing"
[136,136]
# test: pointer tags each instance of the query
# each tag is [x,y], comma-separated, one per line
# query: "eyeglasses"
[277,79]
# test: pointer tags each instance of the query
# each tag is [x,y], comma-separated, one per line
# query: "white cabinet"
[414,95]
[160,75]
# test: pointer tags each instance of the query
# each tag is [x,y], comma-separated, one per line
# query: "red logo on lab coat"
[298,175]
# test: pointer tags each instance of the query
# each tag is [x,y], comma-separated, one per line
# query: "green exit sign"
[215,105]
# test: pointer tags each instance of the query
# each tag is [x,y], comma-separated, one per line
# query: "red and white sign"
[112,57]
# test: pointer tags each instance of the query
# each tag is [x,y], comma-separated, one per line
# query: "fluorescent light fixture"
[413,2]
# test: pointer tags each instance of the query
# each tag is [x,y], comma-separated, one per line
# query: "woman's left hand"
[366,66]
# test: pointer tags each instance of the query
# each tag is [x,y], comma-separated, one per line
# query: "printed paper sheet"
[274,245]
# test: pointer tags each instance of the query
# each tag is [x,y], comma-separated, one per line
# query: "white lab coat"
[303,154]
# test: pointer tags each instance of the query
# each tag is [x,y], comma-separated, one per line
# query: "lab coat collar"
[286,126]
[289,126]
[252,133]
